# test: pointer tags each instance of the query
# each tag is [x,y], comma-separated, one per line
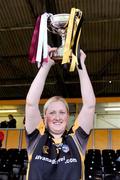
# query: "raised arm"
[86,115]
[32,112]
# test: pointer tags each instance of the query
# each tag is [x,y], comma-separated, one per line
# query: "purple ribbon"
[34,42]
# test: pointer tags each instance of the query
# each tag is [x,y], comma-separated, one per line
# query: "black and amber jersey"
[56,159]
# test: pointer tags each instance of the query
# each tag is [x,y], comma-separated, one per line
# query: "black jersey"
[56,159]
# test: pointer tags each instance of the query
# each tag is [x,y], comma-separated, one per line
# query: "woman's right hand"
[51,50]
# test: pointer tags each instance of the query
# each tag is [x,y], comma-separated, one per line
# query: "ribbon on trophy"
[34,42]
[38,51]
[72,46]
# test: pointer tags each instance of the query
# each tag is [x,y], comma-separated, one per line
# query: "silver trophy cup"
[58,24]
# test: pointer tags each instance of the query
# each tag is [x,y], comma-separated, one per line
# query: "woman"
[54,153]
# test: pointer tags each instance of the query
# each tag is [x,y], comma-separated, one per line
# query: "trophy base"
[58,55]
[57,58]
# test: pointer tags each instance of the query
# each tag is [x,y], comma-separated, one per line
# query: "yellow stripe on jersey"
[41,127]
[76,125]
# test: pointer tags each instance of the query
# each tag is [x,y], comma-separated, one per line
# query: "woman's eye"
[53,112]
[62,112]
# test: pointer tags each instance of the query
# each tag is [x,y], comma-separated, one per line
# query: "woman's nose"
[57,116]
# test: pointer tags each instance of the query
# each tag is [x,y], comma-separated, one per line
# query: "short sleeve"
[33,138]
[82,137]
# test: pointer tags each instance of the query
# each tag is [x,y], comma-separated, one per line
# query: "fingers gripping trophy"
[68,26]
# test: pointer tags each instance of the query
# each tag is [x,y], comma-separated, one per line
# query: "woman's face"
[56,118]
